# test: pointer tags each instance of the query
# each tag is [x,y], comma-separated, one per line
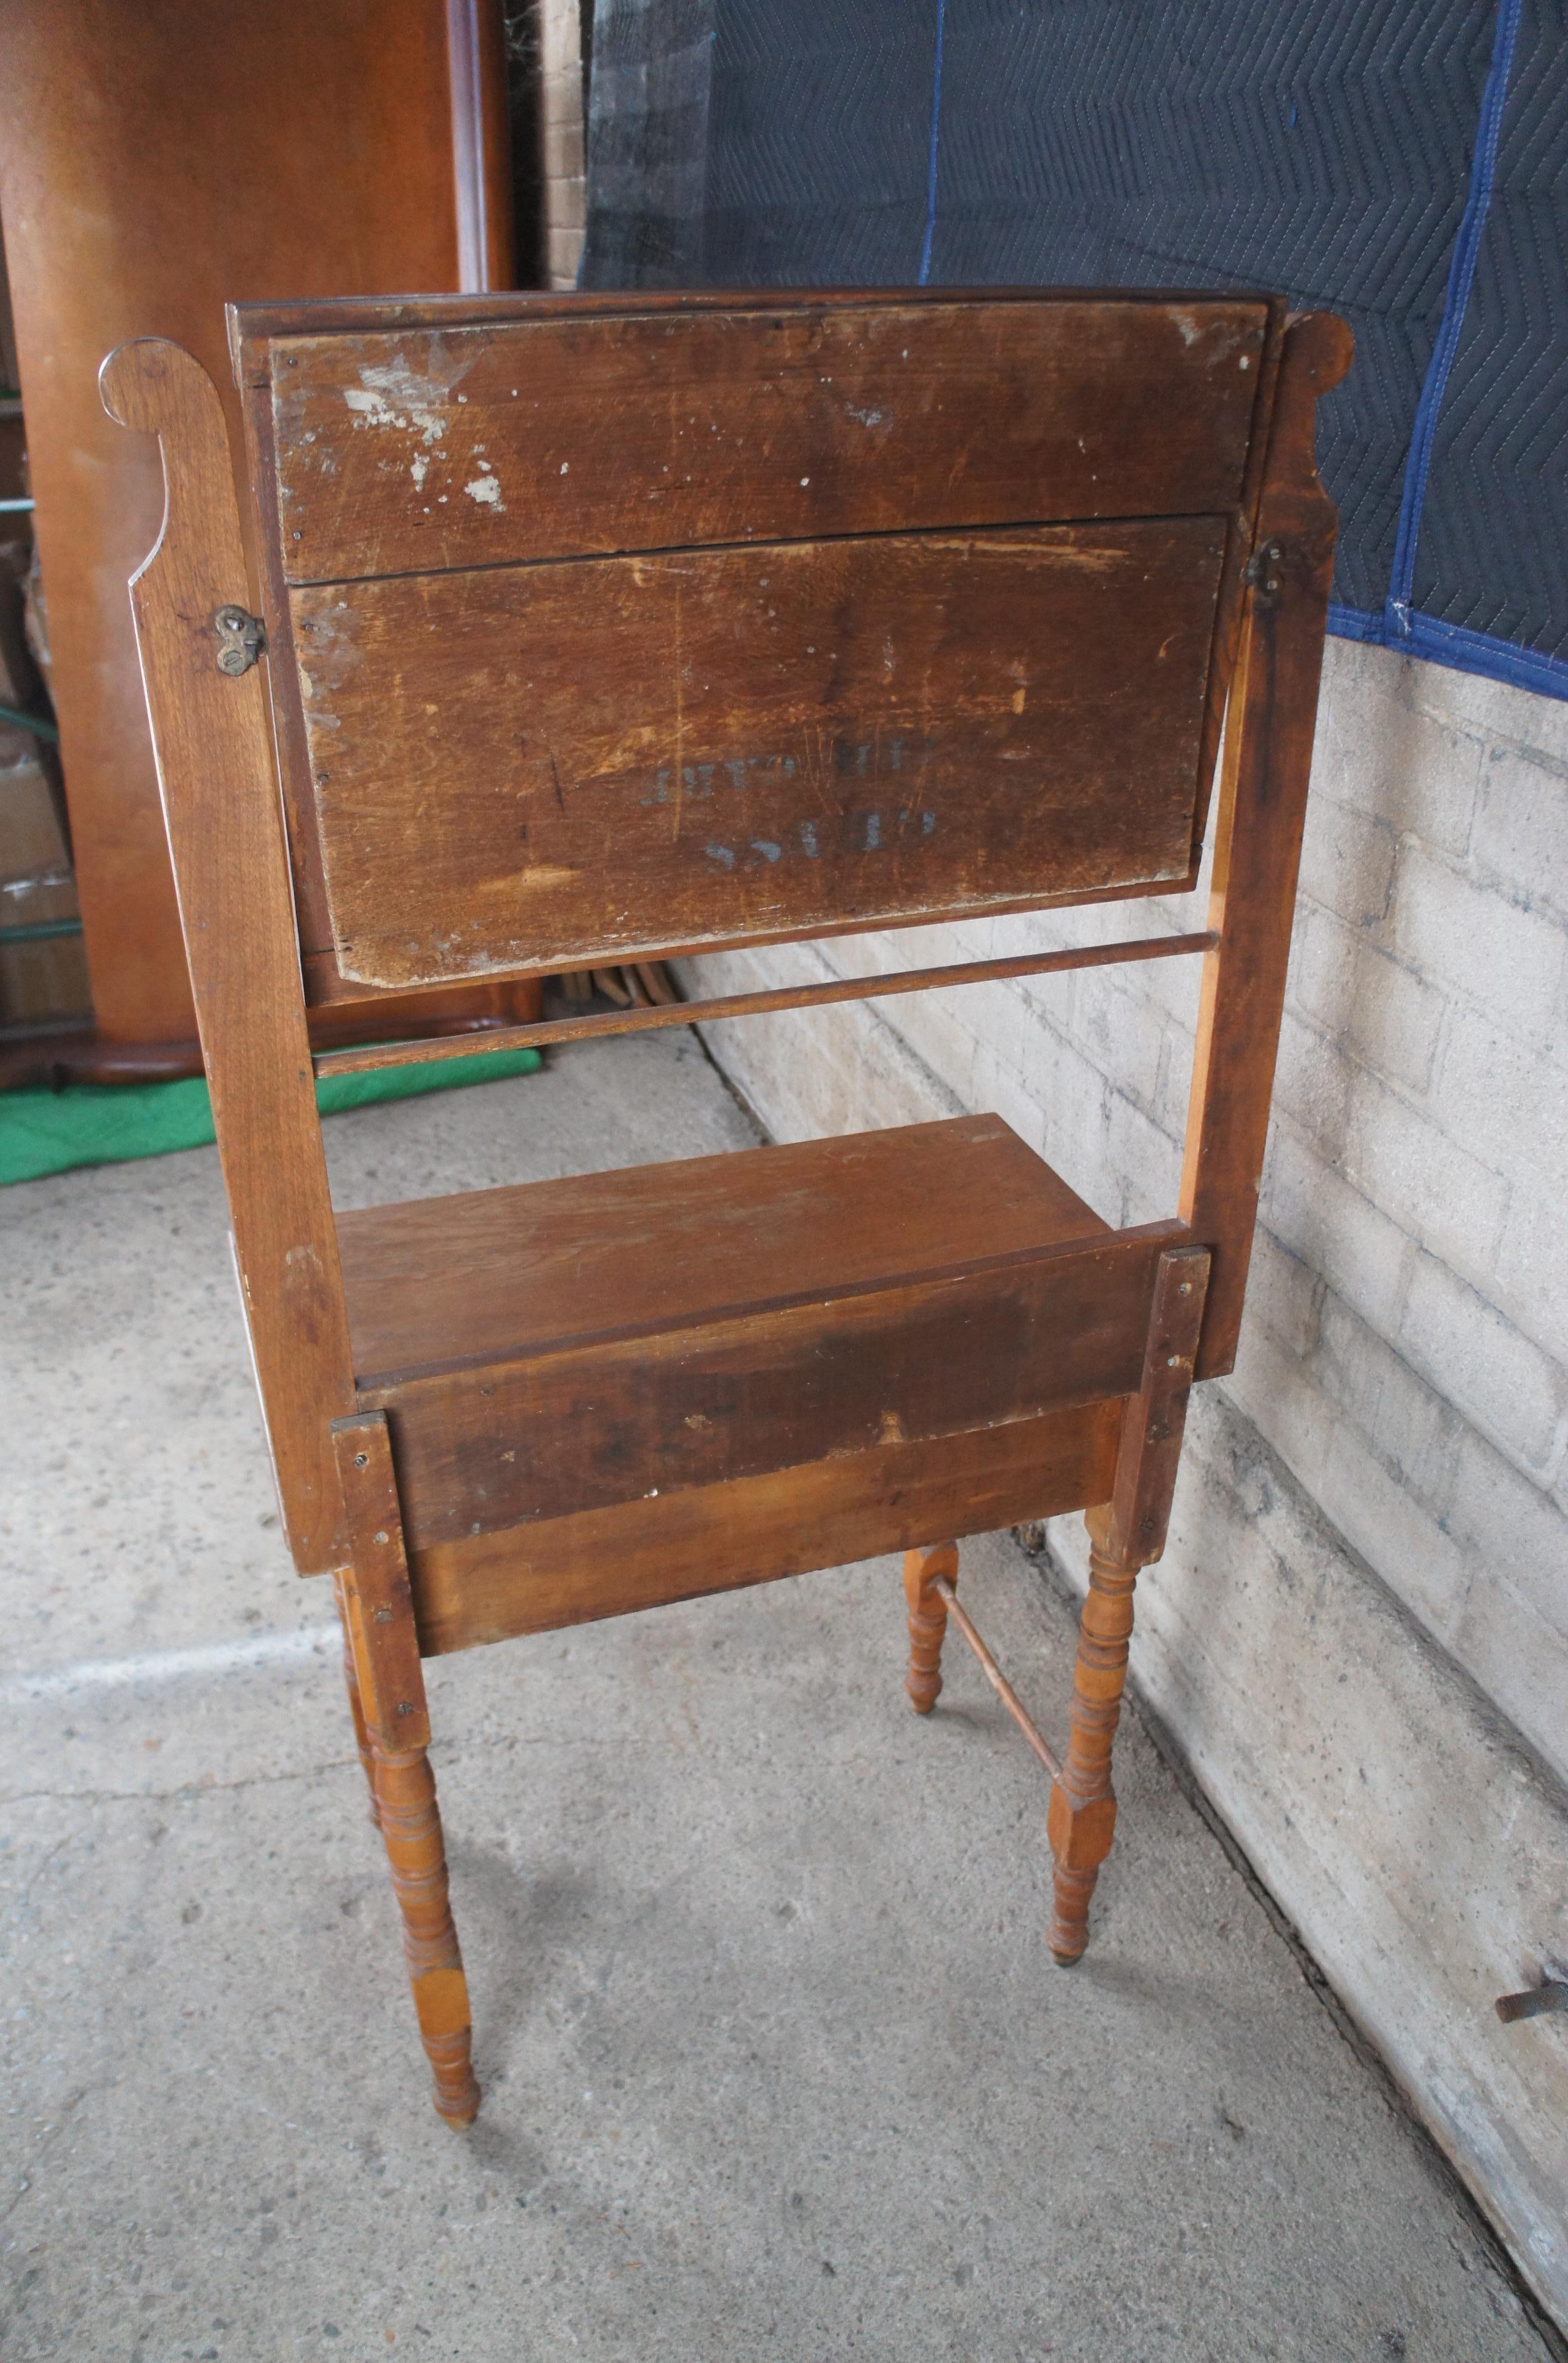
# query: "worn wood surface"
[762,1388]
[1262,806]
[927,1613]
[238,917]
[634,1388]
[661,1015]
[769,419]
[351,1013]
[713,1538]
[440,1284]
[155,158]
[377,1616]
[598,761]
[1125,1534]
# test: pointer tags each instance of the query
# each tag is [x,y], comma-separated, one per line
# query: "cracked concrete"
[775,2062]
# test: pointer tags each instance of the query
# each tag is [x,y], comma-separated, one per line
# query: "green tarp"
[103,1123]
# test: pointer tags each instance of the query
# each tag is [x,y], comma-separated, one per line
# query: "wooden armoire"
[156,161]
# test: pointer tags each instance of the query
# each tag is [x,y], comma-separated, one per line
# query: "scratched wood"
[773,420]
[441,1284]
[1262,810]
[634,1555]
[231,870]
[978,663]
[594,761]
[771,1387]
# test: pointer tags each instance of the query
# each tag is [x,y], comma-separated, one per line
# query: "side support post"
[378,1613]
[1125,1534]
[1257,845]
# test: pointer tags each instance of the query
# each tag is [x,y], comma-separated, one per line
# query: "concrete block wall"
[1384,1481]
[563,138]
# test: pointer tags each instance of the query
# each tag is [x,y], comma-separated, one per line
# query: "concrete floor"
[775,2061]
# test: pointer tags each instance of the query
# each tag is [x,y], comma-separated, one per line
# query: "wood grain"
[1262,804]
[600,1024]
[153,160]
[641,1554]
[927,1613]
[444,1284]
[593,762]
[377,1605]
[552,435]
[238,915]
[768,1387]
[1125,1534]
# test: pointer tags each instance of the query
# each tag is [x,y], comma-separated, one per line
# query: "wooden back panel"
[221,796]
[616,632]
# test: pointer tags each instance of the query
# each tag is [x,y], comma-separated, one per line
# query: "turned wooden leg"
[355,1705]
[1081,1822]
[411,1827]
[928,1620]
[1125,1534]
[378,1618]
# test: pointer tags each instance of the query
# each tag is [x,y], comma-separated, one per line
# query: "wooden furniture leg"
[1125,1534]
[378,1617]
[928,1619]
[355,1704]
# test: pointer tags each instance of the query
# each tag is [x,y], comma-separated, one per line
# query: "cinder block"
[1384,754]
[1347,861]
[1141,1155]
[1316,1213]
[1121,1034]
[1313,1082]
[1395,1018]
[1401,1417]
[1388,1016]
[931,1023]
[1284,1295]
[1172,987]
[1455,931]
[1274,1388]
[1517,1658]
[1491,711]
[1491,1088]
[1396,1536]
[1517,1533]
[1521,826]
[1320,982]
[998,1019]
[1529,1278]
[1417,1174]
[999,1088]
[1504,1383]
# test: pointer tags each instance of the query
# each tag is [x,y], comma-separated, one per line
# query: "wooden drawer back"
[606,629]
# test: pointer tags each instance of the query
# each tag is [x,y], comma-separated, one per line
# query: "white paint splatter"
[1188,326]
[486,490]
[416,468]
[392,393]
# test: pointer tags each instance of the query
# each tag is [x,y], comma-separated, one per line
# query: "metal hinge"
[240,639]
[1263,569]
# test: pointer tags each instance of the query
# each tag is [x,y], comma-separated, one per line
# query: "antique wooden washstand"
[603,629]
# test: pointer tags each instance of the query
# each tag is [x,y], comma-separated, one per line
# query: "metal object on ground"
[1550,1994]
